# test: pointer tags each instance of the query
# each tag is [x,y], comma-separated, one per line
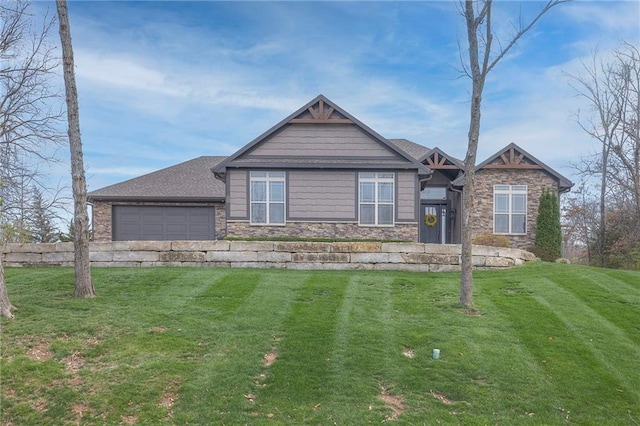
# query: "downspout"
[420,182]
[459,191]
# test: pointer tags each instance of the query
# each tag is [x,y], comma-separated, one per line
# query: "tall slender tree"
[83,282]
[482,58]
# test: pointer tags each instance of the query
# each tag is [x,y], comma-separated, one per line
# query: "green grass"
[551,344]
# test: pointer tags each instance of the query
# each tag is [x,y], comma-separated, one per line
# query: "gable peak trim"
[513,158]
[321,113]
[438,159]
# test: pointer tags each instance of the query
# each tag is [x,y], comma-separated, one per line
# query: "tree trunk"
[83,282]
[603,196]
[468,195]
[5,305]
[468,202]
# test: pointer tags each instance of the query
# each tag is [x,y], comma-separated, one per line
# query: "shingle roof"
[192,180]
[415,150]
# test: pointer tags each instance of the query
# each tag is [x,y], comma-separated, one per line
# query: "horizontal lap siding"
[238,194]
[325,140]
[322,195]
[406,196]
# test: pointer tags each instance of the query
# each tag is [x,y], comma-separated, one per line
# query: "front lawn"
[550,344]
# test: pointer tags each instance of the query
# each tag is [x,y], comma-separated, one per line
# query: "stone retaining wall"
[267,254]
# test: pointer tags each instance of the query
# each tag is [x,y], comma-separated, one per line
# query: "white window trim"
[376,179]
[510,192]
[267,179]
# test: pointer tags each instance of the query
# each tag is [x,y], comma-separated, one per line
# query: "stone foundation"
[267,254]
[404,232]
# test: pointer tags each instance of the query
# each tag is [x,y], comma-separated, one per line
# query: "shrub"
[548,242]
[492,240]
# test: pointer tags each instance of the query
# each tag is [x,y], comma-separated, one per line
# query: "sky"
[160,83]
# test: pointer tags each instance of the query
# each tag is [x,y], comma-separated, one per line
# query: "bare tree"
[581,222]
[29,114]
[83,281]
[482,59]
[625,171]
[597,86]
[610,84]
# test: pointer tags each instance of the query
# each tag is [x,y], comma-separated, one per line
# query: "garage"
[161,223]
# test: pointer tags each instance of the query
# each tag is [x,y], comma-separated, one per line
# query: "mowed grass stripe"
[237,350]
[503,372]
[615,300]
[575,372]
[608,344]
[623,285]
[164,295]
[301,377]
[361,361]
[228,294]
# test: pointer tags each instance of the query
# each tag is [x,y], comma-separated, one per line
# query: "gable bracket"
[320,116]
[438,162]
[512,159]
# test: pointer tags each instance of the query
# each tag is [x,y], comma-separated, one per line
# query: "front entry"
[433,223]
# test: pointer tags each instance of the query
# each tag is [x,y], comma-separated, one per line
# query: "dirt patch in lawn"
[169,397]
[409,353]
[74,362]
[39,405]
[440,397]
[129,420]
[394,402]
[158,329]
[40,352]
[269,358]
[79,409]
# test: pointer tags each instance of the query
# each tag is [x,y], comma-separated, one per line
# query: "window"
[376,198]
[434,193]
[267,197]
[510,209]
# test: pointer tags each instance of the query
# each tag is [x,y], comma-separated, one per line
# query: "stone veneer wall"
[536,181]
[405,232]
[267,254]
[102,218]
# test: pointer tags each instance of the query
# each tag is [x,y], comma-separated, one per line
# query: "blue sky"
[163,82]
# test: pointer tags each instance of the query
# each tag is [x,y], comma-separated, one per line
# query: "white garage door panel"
[163,223]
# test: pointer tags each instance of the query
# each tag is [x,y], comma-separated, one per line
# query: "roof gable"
[321,134]
[514,157]
[438,159]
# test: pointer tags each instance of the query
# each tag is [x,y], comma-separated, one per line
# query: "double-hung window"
[510,209]
[376,198]
[267,197]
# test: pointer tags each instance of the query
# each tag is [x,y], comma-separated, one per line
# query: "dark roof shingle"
[416,151]
[192,180]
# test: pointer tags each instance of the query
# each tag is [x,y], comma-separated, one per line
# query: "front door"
[433,223]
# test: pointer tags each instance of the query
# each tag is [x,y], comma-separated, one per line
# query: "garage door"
[162,223]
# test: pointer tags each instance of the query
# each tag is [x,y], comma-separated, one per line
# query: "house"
[321,172]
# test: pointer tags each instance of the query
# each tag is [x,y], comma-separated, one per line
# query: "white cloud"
[122,73]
